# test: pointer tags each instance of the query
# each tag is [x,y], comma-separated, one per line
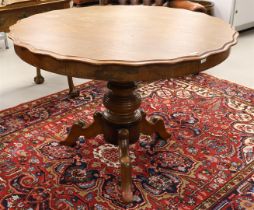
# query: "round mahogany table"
[122,44]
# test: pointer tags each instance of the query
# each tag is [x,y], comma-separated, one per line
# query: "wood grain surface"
[123,43]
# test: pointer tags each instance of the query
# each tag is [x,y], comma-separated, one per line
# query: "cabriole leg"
[73,92]
[38,79]
[125,164]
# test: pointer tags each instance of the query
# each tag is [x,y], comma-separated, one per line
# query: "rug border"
[217,197]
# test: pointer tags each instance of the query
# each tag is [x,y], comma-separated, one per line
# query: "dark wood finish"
[80,129]
[10,14]
[38,79]
[182,4]
[189,5]
[155,125]
[209,6]
[147,44]
[122,112]
[147,72]
[73,92]
[85,2]
[121,124]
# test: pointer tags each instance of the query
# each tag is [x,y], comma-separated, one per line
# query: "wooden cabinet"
[10,14]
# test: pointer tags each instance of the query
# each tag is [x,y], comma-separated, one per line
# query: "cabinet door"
[224,9]
[244,14]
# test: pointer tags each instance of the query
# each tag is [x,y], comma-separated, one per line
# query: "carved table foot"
[155,125]
[79,129]
[38,79]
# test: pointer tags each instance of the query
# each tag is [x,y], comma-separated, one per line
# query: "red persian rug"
[207,164]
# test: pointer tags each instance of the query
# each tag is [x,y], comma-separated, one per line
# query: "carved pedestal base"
[121,124]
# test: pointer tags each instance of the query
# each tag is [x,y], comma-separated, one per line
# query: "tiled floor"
[17,86]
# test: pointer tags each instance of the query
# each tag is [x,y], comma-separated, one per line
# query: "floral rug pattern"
[208,163]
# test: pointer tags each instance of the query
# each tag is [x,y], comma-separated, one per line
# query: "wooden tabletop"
[123,42]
